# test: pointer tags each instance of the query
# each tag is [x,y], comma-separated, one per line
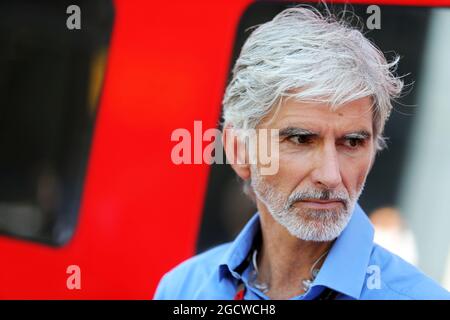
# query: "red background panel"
[140,213]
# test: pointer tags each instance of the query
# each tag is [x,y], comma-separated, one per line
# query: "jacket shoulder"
[185,277]
[401,280]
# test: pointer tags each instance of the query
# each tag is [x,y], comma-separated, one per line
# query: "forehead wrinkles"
[294,113]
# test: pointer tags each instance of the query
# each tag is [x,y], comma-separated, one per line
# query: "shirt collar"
[240,247]
[344,269]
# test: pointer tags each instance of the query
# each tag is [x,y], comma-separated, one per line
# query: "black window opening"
[50,83]
[404,31]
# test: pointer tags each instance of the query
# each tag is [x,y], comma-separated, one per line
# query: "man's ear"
[236,152]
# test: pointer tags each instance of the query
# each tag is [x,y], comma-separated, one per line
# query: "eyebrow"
[292,131]
[361,134]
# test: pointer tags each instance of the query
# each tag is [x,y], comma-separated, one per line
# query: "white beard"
[306,224]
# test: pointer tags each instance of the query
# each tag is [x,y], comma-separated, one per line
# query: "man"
[327,92]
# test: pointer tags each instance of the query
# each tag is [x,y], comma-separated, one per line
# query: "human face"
[324,159]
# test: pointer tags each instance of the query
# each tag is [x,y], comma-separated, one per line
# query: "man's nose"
[327,172]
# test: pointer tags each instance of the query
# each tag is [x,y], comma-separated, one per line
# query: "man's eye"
[353,143]
[301,139]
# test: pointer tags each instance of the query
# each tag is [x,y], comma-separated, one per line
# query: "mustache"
[324,195]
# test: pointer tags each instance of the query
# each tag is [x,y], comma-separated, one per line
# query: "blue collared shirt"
[355,267]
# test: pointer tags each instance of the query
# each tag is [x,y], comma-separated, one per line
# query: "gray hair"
[305,55]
